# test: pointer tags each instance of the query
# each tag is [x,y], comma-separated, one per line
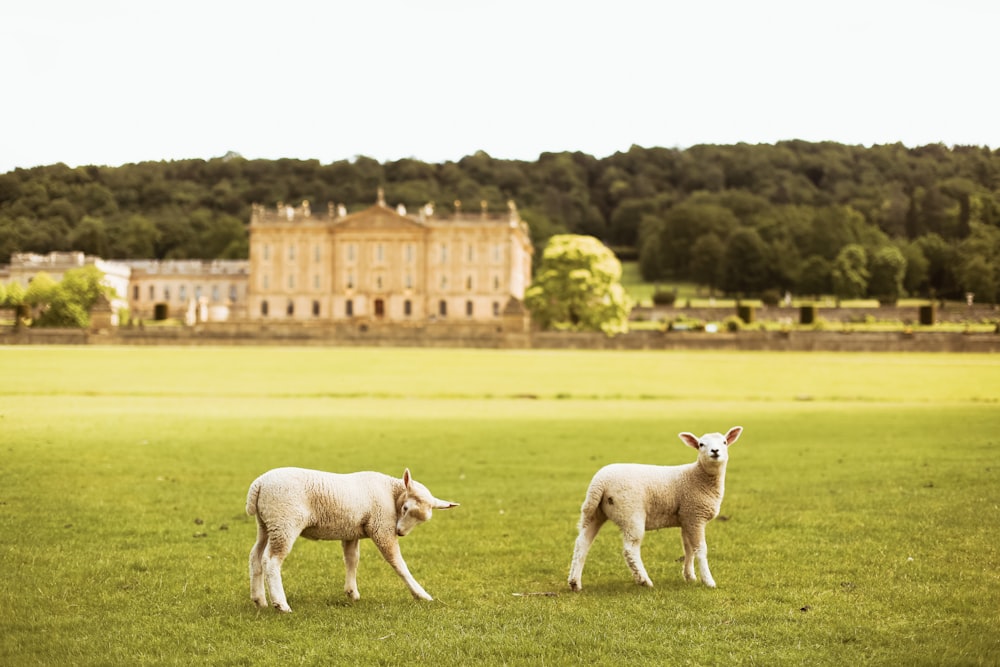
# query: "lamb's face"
[713,448]
[418,505]
[415,511]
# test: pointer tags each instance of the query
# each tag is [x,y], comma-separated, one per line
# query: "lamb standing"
[289,502]
[640,497]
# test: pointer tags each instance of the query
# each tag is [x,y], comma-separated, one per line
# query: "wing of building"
[385,264]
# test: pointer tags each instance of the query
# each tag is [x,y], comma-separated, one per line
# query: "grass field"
[862,515]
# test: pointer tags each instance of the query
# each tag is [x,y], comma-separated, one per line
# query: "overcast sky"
[110,82]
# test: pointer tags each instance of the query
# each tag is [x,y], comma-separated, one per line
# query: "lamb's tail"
[252,497]
[591,508]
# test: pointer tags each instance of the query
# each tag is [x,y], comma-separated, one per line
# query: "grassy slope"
[861,523]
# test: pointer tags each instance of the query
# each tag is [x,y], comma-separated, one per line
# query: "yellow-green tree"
[578,287]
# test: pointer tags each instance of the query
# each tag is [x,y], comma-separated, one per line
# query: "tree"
[888,268]
[745,268]
[707,261]
[578,287]
[850,272]
[814,276]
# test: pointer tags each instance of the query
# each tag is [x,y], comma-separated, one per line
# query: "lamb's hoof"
[646,583]
[261,603]
[353,595]
[283,609]
[575,585]
[709,583]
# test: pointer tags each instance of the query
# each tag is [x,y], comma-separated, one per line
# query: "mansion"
[383,264]
[377,264]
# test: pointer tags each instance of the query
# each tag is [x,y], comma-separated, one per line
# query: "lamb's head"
[713,448]
[417,505]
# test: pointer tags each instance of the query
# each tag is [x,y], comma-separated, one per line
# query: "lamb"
[289,502]
[639,497]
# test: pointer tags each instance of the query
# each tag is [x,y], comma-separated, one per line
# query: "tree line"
[810,218]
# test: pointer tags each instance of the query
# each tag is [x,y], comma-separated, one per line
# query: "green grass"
[861,511]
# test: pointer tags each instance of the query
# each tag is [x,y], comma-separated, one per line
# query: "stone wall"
[473,336]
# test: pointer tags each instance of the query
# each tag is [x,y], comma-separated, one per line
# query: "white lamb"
[639,497]
[289,502]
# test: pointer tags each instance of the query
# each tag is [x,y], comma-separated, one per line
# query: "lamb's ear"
[733,434]
[443,504]
[689,439]
[406,478]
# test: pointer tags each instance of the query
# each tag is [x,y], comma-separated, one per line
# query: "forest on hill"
[810,218]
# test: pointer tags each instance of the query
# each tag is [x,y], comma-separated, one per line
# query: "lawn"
[860,521]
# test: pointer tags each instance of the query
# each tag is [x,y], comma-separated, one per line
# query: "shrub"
[927,314]
[807,314]
[160,312]
[664,297]
[770,297]
[745,313]
[732,323]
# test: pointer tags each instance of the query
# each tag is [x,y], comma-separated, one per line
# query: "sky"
[110,82]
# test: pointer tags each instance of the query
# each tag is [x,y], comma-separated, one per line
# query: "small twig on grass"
[391,634]
[547,594]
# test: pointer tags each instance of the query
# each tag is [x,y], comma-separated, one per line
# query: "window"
[263,308]
[350,252]
[468,283]
[444,283]
[291,282]
[468,308]
[349,308]
[350,280]
[443,308]
[315,308]
[497,252]
[409,253]
[378,282]
[215,292]
[151,293]
[496,283]
[444,253]
[409,281]
[407,308]
[267,252]
[290,308]
[135,292]
[291,251]
[197,292]
[265,280]
[166,294]
[470,251]
[316,281]
[379,253]
[182,293]
[496,309]
[316,253]
[379,308]
[232,293]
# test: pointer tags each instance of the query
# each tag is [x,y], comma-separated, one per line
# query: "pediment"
[380,218]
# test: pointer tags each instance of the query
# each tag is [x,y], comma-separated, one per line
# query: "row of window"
[378,282]
[182,293]
[379,252]
[379,308]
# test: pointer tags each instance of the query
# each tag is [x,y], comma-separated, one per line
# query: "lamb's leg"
[589,527]
[696,551]
[389,548]
[257,593]
[632,534]
[277,549]
[352,553]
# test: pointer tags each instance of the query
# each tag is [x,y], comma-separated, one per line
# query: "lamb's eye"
[406,508]
[701,445]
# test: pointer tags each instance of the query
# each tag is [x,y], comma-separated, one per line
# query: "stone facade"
[384,265]
[190,290]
